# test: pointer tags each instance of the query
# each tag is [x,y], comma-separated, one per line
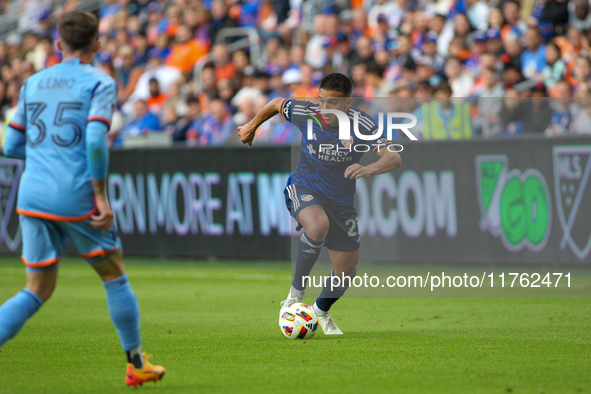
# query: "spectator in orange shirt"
[174,20]
[306,88]
[186,52]
[223,67]
[208,87]
[157,99]
[581,71]
[52,58]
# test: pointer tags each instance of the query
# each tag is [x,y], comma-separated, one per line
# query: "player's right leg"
[43,244]
[17,310]
[308,210]
[103,252]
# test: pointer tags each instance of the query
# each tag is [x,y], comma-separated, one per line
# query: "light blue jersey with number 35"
[54,107]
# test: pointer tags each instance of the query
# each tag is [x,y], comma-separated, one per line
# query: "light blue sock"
[15,312]
[124,311]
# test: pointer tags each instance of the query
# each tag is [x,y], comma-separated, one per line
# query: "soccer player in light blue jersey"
[59,128]
[320,193]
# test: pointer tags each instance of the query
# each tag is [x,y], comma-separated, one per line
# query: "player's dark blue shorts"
[343,234]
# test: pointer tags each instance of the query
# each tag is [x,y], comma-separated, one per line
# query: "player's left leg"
[342,242]
[343,272]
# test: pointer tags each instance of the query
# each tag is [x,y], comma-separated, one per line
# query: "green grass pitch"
[214,327]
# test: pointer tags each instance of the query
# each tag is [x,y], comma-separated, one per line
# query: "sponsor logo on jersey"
[347,143]
[307,197]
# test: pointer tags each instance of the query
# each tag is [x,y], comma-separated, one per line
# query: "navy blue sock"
[331,294]
[16,311]
[125,313]
[308,252]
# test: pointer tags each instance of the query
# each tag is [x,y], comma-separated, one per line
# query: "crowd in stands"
[465,68]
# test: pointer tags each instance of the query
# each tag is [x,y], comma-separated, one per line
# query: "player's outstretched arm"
[97,154]
[248,131]
[388,161]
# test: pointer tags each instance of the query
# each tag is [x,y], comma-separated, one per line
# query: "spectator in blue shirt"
[215,128]
[144,122]
[533,59]
[190,121]
[561,120]
[110,8]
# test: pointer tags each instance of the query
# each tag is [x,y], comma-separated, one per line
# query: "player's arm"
[387,162]
[97,155]
[247,132]
[97,151]
[15,139]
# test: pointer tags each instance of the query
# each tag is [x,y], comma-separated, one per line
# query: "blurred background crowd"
[191,71]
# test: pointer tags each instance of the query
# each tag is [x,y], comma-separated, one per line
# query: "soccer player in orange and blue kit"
[59,127]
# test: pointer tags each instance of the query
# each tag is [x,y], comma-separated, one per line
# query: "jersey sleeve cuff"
[100,119]
[16,126]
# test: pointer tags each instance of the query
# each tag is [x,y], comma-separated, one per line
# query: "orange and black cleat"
[149,373]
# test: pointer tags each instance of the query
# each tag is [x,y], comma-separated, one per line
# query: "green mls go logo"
[515,205]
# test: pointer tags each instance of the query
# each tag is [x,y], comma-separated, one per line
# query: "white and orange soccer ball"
[299,321]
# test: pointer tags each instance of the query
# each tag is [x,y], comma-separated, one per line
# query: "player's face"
[331,99]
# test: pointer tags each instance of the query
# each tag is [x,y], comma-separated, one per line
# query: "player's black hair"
[78,31]
[337,82]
